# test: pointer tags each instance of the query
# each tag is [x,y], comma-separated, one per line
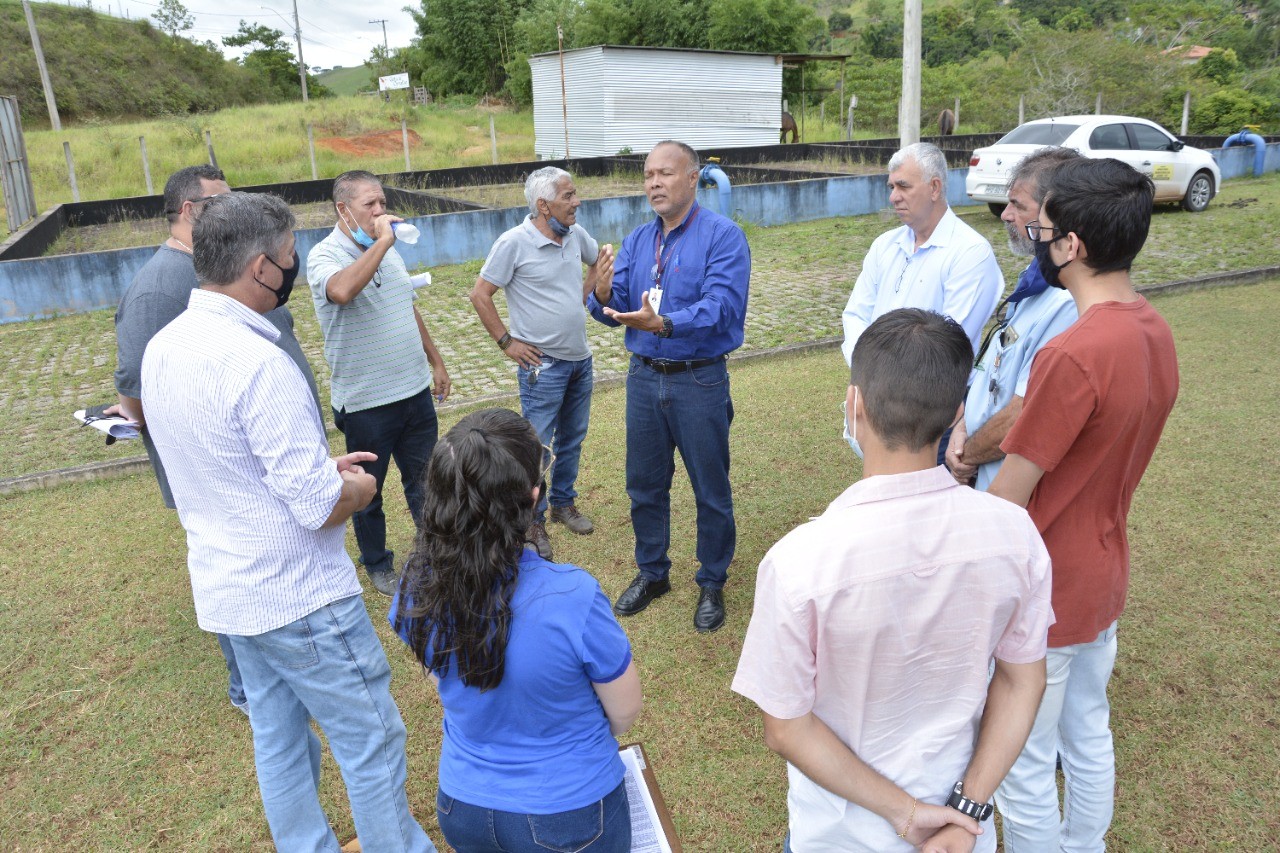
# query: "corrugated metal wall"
[633,98]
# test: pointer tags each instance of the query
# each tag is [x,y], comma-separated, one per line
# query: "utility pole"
[44,72]
[302,65]
[383,21]
[909,106]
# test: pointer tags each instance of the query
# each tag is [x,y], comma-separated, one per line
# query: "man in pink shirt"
[873,634]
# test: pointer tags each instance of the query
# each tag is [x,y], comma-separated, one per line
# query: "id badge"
[655,299]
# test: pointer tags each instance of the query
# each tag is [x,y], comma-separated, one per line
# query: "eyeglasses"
[1035,230]
[548,459]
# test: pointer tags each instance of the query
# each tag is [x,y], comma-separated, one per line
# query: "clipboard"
[652,829]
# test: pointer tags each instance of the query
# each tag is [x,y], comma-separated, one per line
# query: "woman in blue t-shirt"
[534,672]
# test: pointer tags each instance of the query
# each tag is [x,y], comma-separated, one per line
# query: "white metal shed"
[635,97]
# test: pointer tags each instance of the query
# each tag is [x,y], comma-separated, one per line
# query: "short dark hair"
[911,367]
[694,164]
[1107,204]
[344,184]
[184,185]
[235,228]
[1035,170]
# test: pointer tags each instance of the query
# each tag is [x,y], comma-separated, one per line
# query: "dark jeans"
[689,411]
[602,827]
[405,431]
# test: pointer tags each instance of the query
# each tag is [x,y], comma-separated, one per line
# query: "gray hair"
[930,159]
[1036,171]
[689,153]
[235,228]
[543,184]
[344,185]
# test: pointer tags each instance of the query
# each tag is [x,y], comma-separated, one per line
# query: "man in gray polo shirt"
[381,355]
[539,266]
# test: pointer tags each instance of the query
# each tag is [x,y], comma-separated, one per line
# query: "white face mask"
[852,437]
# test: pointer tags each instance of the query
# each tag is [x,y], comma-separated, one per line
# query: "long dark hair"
[462,573]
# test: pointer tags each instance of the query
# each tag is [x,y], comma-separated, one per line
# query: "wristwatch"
[667,328]
[964,805]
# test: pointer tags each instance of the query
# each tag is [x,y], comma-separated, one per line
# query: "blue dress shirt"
[706,268]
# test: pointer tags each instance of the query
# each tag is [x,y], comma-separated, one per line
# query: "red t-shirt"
[1097,400]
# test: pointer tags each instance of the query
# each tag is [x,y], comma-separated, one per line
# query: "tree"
[839,22]
[272,61]
[173,18]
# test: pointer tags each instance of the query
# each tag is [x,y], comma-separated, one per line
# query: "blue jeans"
[406,431]
[1074,722]
[329,665]
[235,688]
[689,411]
[558,404]
[602,827]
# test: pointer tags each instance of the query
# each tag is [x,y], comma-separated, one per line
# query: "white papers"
[114,426]
[646,830]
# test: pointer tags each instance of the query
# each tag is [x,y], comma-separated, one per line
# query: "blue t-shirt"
[539,742]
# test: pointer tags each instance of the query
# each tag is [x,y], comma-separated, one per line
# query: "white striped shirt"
[249,466]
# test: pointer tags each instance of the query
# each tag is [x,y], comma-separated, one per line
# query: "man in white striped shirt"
[265,510]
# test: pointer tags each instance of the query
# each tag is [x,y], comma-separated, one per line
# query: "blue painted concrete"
[44,287]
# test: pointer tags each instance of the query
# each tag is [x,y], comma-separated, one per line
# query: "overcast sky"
[333,32]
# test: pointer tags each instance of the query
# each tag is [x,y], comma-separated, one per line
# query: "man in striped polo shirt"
[381,356]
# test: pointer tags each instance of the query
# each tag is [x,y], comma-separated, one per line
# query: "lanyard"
[661,257]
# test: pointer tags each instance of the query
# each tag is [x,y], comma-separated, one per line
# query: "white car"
[1181,173]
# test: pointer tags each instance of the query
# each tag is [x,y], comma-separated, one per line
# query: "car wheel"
[996,209]
[1199,191]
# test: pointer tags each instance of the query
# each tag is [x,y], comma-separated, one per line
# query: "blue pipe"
[713,176]
[1259,144]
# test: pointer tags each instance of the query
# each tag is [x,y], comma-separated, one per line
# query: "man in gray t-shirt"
[157,295]
[538,264]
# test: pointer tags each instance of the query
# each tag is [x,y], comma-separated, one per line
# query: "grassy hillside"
[347,81]
[102,66]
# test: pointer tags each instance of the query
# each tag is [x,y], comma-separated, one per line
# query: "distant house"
[631,98]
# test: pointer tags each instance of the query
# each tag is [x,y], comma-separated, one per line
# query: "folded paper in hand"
[114,426]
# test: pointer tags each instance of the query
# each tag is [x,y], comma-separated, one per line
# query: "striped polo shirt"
[372,343]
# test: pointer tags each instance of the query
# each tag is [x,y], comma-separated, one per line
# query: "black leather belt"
[663,366]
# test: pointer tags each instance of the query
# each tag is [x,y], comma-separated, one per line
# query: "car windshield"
[1038,134]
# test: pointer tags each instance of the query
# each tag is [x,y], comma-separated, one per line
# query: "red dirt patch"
[380,142]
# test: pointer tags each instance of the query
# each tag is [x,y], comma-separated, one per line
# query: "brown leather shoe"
[536,536]
[569,516]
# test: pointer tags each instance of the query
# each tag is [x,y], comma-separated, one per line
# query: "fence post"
[404,135]
[146,167]
[311,147]
[1186,111]
[1022,110]
[71,171]
[493,139]
[822,114]
[853,102]
[957,113]
[1097,107]
[208,143]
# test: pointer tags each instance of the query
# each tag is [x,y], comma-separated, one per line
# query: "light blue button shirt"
[1006,367]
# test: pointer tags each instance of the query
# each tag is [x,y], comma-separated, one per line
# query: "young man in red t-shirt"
[1097,400]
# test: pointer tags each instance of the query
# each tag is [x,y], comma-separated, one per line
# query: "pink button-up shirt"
[882,617]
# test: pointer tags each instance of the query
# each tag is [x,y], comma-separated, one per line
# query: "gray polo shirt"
[543,283]
[372,343]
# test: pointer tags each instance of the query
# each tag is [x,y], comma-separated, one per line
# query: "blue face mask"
[852,437]
[558,227]
[357,233]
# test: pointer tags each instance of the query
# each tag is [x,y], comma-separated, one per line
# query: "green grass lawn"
[115,731]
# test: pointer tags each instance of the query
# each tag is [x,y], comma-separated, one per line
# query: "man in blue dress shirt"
[679,285]
[1033,315]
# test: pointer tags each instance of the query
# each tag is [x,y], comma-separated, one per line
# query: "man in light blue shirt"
[1034,314]
[933,261]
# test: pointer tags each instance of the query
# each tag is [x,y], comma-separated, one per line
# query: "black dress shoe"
[710,613]
[637,596]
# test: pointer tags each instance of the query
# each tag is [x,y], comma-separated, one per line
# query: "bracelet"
[910,819]
[504,341]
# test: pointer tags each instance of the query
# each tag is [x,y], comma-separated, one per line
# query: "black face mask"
[286,285]
[1048,268]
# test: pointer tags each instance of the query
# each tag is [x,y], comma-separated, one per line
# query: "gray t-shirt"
[543,283]
[159,293]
